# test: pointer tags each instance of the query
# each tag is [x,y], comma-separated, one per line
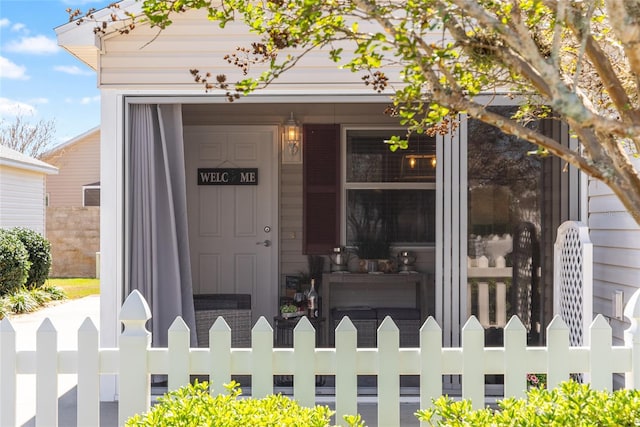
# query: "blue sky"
[37,77]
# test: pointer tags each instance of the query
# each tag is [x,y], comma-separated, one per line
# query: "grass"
[76,287]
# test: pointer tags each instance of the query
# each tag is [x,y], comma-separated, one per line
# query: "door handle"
[265,243]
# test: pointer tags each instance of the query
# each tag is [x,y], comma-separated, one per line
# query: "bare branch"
[625,19]
[30,138]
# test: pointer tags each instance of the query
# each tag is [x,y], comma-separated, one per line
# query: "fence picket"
[388,373]
[304,379]
[632,339]
[346,337]
[88,391]
[8,382]
[262,359]
[178,340]
[220,352]
[483,303]
[135,340]
[515,350]
[600,342]
[558,362]
[430,363]
[46,375]
[304,361]
[473,362]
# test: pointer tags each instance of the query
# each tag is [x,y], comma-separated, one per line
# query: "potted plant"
[288,310]
[371,252]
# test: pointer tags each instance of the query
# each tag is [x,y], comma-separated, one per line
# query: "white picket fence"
[134,361]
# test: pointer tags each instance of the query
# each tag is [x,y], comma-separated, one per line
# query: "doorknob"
[266,243]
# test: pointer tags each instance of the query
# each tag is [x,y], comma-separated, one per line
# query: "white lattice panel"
[573,287]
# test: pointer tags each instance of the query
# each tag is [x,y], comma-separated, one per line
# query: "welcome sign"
[228,176]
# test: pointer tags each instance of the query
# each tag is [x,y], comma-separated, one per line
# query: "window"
[91,194]
[389,196]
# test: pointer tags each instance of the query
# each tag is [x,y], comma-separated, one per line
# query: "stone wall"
[74,234]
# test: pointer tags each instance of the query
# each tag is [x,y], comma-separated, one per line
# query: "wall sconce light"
[292,142]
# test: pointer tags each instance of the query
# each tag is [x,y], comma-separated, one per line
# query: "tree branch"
[625,22]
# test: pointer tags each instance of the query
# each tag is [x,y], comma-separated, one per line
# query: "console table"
[372,290]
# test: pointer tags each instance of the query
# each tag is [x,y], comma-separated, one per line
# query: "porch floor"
[367,408]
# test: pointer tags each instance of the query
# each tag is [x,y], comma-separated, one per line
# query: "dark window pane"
[504,179]
[397,216]
[369,159]
[92,197]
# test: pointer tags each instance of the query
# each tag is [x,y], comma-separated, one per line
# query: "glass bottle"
[312,301]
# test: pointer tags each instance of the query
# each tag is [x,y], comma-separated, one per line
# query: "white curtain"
[159,265]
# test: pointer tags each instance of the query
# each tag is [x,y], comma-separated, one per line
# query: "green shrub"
[193,405]
[5,308]
[39,250]
[56,293]
[40,296]
[570,404]
[22,302]
[14,262]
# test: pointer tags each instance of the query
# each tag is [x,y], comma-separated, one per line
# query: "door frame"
[273,197]
[274,178]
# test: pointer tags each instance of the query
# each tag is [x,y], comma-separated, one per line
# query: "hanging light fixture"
[291,141]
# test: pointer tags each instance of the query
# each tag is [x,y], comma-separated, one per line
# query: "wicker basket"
[236,311]
[238,320]
[408,322]
[363,318]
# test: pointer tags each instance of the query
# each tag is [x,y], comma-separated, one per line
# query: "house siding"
[146,59]
[292,260]
[616,252]
[73,230]
[22,203]
[79,165]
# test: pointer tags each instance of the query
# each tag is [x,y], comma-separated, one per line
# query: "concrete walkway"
[67,317]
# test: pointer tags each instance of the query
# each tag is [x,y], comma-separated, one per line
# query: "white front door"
[232,229]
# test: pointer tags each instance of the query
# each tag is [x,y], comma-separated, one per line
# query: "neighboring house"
[22,190]
[178,162]
[73,208]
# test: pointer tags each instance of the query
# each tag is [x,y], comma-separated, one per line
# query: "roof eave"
[81,41]
[43,168]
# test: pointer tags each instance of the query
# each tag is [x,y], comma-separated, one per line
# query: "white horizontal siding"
[616,255]
[613,239]
[21,199]
[146,58]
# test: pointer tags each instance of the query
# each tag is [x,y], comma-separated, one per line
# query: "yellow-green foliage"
[570,404]
[193,405]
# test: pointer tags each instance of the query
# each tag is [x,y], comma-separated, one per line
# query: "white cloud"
[4,22]
[38,45]
[39,101]
[73,70]
[90,99]
[10,70]
[19,26]
[83,101]
[10,107]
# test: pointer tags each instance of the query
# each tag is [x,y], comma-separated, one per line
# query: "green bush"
[22,302]
[56,293]
[39,250]
[570,404]
[5,308]
[193,405]
[14,262]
